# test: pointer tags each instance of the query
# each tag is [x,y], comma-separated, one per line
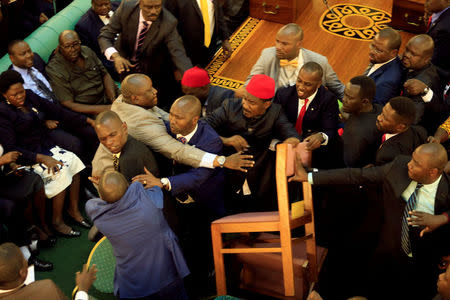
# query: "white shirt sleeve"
[109,52]
[81,295]
[325,139]
[428,96]
[310,178]
[208,160]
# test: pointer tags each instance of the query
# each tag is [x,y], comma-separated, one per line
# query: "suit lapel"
[441,198]
[197,8]
[151,34]
[432,25]
[133,27]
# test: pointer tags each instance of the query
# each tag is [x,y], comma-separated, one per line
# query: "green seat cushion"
[102,255]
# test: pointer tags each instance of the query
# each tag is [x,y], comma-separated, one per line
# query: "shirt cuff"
[170,185]
[428,96]
[208,161]
[109,52]
[81,295]
[325,139]
[310,178]
[273,144]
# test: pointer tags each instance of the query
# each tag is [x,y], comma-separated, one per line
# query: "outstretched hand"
[239,161]
[431,222]
[148,179]
[86,277]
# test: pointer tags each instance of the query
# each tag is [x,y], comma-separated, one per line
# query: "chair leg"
[218,261]
[288,267]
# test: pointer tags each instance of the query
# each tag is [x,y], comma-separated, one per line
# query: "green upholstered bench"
[45,39]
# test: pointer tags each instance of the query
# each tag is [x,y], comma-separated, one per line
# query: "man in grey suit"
[148,43]
[283,62]
[136,106]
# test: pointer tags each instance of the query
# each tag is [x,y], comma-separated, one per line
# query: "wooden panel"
[281,11]
[408,15]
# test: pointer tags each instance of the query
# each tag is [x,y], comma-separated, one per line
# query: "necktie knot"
[182,139]
[285,63]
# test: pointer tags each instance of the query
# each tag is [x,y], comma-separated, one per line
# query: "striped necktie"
[140,43]
[42,86]
[182,139]
[410,205]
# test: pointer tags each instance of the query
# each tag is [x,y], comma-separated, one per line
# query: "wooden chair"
[275,221]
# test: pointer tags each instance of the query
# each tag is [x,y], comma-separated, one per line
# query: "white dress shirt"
[29,83]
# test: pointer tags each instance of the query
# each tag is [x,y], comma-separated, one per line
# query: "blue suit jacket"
[388,80]
[321,116]
[206,186]
[88,28]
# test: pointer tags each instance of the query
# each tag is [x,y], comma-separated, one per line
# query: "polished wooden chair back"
[278,247]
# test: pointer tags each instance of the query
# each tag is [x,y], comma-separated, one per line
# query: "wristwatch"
[425,91]
[221,160]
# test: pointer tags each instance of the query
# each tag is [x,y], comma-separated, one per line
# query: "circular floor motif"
[352,21]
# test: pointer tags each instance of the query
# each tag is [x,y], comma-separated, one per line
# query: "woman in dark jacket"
[25,121]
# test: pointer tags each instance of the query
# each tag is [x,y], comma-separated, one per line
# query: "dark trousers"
[173,291]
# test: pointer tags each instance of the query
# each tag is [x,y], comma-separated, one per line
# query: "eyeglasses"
[73,45]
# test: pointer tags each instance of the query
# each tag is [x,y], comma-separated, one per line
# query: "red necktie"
[298,124]
[429,23]
[383,138]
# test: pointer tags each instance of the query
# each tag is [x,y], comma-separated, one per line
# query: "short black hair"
[12,44]
[393,36]
[367,86]
[405,109]
[8,78]
[313,67]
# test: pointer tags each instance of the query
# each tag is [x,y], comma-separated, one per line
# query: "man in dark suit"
[196,82]
[199,191]
[361,138]
[14,271]
[200,42]
[422,83]
[416,202]
[249,124]
[314,112]
[400,136]
[89,25]
[385,67]
[439,30]
[121,151]
[148,43]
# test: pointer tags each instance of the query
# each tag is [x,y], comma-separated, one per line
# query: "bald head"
[112,186]
[133,82]
[424,42]
[292,29]
[68,35]
[137,89]
[184,114]
[108,116]
[13,267]
[435,155]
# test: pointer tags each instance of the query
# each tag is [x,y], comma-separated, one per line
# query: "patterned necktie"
[285,62]
[182,139]
[410,205]
[298,124]
[366,72]
[206,23]
[42,87]
[115,162]
[140,42]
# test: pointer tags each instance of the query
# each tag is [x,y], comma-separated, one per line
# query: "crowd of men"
[164,155]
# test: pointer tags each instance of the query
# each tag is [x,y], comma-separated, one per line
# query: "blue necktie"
[410,205]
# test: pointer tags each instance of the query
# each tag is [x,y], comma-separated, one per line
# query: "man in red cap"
[249,124]
[196,82]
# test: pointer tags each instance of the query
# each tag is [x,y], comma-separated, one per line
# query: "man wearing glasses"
[78,78]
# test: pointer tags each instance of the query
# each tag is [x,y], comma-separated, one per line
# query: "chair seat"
[255,217]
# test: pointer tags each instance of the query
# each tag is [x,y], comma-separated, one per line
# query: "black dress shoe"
[40,265]
[48,243]
[72,233]
[84,224]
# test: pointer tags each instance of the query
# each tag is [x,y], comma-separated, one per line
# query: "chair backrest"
[102,255]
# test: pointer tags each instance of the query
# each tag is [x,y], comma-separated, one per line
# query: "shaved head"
[292,29]
[435,154]
[106,117]
[133,82]
[190,104]
[12,266]
[184,114]
[112,186]
[68,34]
[424,42]
[137,89]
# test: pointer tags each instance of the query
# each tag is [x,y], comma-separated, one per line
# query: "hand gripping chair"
[298,260]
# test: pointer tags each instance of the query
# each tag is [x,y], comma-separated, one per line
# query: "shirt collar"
[376,66]
[11,290]
[22,71]
[190,135]
[310,98]
[432,185]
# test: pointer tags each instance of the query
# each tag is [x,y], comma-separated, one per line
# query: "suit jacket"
[133,158]
[401,144]
[361,138]
[39,290]
[206,186]
[440,33]
[388,79]
[431,114]
[216,96]
[269,64]
[162,37]
[191,29]
[393,178]
[147,126]
[88,28]
[321,116]
[228,120]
